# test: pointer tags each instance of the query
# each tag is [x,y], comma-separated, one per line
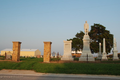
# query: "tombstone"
[99,54]
[58,55]
[104,54]
[115,51]
[47,51]
[8,56]
[41,56]
[38,56]
[16,51]
[5,55]
[67,51]
[86,53]
[55,55]
[51,56]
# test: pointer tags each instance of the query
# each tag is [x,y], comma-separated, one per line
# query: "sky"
[33,22]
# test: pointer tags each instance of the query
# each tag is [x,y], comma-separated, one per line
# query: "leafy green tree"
[77,42]
[97,33]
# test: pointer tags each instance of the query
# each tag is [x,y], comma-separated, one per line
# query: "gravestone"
[38,56]
[115,51]
[8,56]
[104,54]
[47,51]
[55,55]
[16,51]
[51,56]
[86,53]
[67,51]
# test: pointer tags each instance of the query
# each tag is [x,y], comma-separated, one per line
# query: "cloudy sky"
[34,21]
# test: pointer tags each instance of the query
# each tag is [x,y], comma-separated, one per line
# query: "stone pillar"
[104,54]
[115,51]
[16,51]
[99,54]
[47,51]
[67,51]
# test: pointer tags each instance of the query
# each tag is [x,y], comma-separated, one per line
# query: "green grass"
[105,67]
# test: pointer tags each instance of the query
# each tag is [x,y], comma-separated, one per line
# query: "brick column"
[16,51]
[47,51]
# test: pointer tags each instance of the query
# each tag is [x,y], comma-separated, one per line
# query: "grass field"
[105,67]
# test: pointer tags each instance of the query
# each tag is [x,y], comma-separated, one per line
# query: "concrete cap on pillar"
[17,42]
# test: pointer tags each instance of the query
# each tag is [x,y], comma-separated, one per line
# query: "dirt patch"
[10,60]
[61,61]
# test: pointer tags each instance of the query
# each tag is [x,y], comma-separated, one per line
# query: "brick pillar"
[16,51]
[47,51]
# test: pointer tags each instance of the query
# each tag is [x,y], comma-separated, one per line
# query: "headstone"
[58,55]
[55,55]
[5,55]
[38,56]
[86,53]
[47,51]
[67,51]
[51,56]
[16,51]
[41,56]
[115,51]
[99,54]
[8,56]
[104,54]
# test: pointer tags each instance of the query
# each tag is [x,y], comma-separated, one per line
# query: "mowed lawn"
[105,67]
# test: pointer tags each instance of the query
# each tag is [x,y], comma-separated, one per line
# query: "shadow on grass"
[105,67]
[84,68]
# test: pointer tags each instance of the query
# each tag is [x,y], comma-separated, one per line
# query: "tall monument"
[86,53]
[104,54]
[115,51]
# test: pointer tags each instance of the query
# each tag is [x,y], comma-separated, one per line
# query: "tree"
[97,33]
[77,42]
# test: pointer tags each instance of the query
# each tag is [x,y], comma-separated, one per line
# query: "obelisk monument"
[115,51]
[86,53]
[104,54]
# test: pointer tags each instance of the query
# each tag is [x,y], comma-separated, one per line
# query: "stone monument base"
[104,57]
[115,58]
[115,55]
[86,57]
[67,58]
[99,57]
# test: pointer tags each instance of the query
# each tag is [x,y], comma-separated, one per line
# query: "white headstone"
[86,53]
[104,54]
[115,51]
[55,55]
[67,51]
[51,56]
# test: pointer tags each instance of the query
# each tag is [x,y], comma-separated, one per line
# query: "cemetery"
[84,64]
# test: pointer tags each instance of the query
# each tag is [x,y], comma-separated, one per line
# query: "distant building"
[23,52]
